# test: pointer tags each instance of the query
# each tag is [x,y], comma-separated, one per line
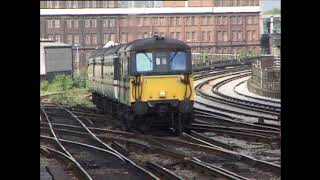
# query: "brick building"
[218,26]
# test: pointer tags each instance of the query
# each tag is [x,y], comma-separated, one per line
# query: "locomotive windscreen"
[170,62]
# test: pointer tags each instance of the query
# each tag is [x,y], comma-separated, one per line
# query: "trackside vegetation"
[67,90]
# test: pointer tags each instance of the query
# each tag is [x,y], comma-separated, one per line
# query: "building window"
[234,20]
[162,21]
[219,20]
[188,20]
[140,21]
[94,39]
[145,21]
[178,21]
[254,35]
[193,36]
[50,37]
[104,4]
[209,35]
[94,4]
[113,37]
[57,23]
[105,22]
[75,4]
[225,36]
[188,36]
[123,22]
[87,39]
[172,34]
[234,36]
[49,22]
[75,23]
[225,20]
[69,23]
[209,20]
[203,36]
[69,39]
[145,35]
[86,4]
[203,20]
[249,35]
[94,23]
[76,39]
[69,4]
[106,38]
[123,37]
[255,19]
[112,22]
[87,23]
[219,36]
[239,35]
[249,20]
[178,35]
[193,20]
[239,20]
[171,21]
[155,21]
[56,4]
[49,4]
[58,38]
[111,4]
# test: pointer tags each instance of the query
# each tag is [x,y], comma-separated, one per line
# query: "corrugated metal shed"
[55,57]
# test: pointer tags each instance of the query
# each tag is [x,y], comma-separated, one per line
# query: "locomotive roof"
[144,44]
[156,43]
[108,51]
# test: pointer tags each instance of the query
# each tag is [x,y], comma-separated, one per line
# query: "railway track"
[203,153]
[90,153]
[236,107]
[140,142]
[261,107]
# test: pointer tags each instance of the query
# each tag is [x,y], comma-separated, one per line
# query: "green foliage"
[61,82]
[44,86]
[204,54]
[273,11]
[72,91]
[80,81]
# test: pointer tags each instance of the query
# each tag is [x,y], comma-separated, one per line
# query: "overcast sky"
[269,4]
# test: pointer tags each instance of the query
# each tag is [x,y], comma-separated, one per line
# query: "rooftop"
[133,11]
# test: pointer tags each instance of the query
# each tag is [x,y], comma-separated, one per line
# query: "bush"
[72,90]
[62,82]
[44,86]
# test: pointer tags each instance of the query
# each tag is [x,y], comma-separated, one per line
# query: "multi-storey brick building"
[218,26]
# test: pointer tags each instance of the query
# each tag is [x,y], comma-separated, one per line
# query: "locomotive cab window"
[178,60]
[161,62]
[144,62]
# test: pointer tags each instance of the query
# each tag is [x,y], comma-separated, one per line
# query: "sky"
[269,4]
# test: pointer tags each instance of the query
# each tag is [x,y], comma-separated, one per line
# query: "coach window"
[144,62]
[178,61]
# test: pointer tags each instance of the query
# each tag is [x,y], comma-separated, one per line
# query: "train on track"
[145,84]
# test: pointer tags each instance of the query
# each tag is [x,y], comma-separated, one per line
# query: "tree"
[273,11]
[204,54]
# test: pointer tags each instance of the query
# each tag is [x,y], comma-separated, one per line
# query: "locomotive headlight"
[162,94]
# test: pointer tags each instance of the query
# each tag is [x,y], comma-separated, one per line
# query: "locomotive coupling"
[186,106]
[140,108]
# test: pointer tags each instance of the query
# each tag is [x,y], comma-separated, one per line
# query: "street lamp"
[77,60]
